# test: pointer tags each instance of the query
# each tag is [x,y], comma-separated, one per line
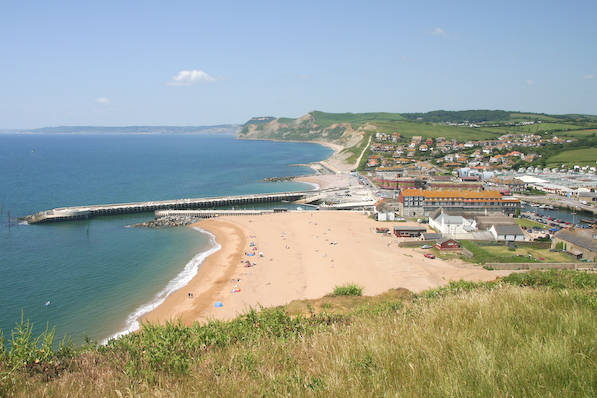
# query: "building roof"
[532,180]
[583,239]
[455,212]
[409,228]
[441,242]
[494,220]
[441,178]
[444,218]
[508,229]
[432,236]
[431,194]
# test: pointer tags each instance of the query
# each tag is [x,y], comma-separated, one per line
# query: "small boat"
[47,303]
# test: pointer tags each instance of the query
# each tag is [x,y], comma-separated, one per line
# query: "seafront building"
[422,202]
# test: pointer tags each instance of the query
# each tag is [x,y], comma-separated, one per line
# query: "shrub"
[350,289]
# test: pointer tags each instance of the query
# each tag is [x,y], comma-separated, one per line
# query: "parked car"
[429,255]
[426,247]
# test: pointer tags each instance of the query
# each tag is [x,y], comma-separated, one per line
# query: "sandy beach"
[305,255]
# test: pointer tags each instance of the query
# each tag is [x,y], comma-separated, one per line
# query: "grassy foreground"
[531,334]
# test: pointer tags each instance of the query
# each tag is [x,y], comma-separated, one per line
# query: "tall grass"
[527,335]
[350,289]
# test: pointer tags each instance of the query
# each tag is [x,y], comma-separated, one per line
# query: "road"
[356,165]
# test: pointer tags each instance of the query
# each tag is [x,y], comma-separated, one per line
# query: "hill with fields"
[347,129]
[354,130]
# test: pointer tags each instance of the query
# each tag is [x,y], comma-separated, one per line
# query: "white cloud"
[438,32]
[530,82]
[589,77]
[102,100]
[189,77]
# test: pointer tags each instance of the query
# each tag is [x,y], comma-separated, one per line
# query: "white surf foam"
[313,184]
[179,281]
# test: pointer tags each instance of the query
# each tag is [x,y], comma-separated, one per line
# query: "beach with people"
[273,259]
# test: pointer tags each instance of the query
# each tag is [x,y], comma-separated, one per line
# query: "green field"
[431,130]
[325,119]
[523,254]
[579,133]
[583,156]
[536,128]
[515,116]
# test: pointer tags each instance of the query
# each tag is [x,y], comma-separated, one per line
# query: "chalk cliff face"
[305,128]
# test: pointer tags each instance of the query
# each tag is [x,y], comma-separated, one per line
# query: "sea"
[93,279]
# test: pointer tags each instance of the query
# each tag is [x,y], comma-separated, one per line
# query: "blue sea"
[97,275]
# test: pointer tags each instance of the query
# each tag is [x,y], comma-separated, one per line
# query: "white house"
[385,215]
[447,224]
[507,232]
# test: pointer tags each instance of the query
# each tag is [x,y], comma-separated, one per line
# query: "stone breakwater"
[167,222]
[280,179]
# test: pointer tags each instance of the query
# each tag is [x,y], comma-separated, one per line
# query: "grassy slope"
[582,156]
[356,150]
[410,129]
[488,339]
[579,133]
[325,119]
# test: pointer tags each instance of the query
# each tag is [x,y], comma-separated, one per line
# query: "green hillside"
[530,334]
[343,128]
[583,156]
[357,120]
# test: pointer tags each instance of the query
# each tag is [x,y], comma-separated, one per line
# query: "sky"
[116,63]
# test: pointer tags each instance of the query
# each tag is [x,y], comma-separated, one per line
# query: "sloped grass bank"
[531,334]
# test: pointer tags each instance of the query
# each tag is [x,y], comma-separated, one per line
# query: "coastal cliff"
[314,126]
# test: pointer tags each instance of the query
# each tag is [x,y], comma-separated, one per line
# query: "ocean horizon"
[96,276]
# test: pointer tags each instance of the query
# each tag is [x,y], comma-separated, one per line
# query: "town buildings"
[421,202]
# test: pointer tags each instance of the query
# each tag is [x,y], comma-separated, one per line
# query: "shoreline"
[211,277]
[183,278]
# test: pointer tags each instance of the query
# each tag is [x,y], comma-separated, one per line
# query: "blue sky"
[202,63]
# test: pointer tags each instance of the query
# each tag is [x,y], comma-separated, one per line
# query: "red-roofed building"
[421,202]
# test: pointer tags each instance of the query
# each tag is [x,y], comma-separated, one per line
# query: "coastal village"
[480,191]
